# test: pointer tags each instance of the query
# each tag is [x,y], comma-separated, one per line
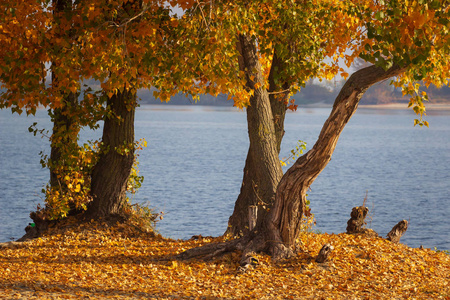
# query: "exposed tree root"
[250,244]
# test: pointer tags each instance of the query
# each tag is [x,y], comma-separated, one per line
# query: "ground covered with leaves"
[100,261]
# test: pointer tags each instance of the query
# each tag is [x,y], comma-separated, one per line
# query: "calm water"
[195,156]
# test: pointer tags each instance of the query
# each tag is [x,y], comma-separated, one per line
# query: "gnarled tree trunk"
[278,232]
[284,221]
[110,174]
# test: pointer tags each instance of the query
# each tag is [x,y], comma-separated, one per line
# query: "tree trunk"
[284,221]
[64,140]
[65,128]
[110,174]
[280,228]
[255,179]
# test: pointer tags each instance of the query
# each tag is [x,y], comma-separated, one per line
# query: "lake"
[195,157]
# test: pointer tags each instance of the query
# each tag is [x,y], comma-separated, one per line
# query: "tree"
[272,31]
[291,52]
[408,41]
[115,43]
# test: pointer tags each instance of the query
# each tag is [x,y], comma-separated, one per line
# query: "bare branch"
[280,92]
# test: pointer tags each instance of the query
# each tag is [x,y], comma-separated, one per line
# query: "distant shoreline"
[393,106]
[428,106]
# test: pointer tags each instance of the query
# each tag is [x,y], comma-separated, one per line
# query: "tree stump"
[397,231]
[357,220]
[324,253]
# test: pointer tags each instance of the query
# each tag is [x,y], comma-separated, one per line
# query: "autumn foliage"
[248,50]
[101,261]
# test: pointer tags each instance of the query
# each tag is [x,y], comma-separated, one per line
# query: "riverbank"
[98,261]
[428,106]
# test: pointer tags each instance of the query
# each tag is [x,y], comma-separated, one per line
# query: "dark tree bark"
[279,230]
[254,189]
[64,139]
[110,174]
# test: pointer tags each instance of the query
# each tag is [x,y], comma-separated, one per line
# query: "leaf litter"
[100,261]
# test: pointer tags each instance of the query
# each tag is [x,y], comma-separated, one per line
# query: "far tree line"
[258,53]
[312,94]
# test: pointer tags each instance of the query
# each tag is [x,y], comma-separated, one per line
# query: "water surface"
[195,157]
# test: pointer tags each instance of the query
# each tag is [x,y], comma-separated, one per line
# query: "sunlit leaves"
[196,53]
[101,261]
[74,180]
[295,153]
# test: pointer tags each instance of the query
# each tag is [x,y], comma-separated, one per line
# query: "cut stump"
[324,253]
[357,220]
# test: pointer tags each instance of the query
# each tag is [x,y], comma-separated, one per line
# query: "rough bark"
[255,179]
[280,228]
[110,174]
[397,231]
[252,217]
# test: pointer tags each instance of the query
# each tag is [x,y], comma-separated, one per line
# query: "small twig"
[280,92]
[203,15]
[144,10]
[256,193]
[365,199]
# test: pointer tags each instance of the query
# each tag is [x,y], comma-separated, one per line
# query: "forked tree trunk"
[278,232]
[254,189]
[263,167]
[110,174]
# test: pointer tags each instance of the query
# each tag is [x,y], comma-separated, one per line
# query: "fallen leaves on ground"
[99,261]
